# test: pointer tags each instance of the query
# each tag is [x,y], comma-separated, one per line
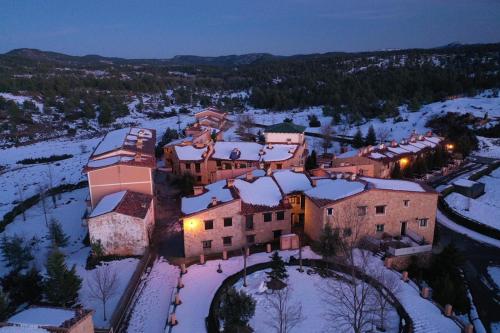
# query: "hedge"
[52,158]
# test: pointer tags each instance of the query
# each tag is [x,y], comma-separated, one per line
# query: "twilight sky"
[164,28]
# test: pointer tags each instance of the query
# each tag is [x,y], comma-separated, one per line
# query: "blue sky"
[161,29]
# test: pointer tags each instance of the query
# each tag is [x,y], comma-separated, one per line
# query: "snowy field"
[69,212]
[484,209]
[306,290]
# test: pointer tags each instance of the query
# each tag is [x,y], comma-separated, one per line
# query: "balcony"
[410,244]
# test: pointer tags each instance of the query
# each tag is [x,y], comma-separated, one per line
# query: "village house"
[395,215]
[123,160]
[211,117]
[120,175]
[379,161]
[122,223]
[43,319]
[285,147]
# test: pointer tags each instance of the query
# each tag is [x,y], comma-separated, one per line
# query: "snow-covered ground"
[201,283]
[308,291]
[69,212]
[488,147]
[484,209]
[494,273]
[150,311]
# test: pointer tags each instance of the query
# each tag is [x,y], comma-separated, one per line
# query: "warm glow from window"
[403,162]
[190,224]
[449,146]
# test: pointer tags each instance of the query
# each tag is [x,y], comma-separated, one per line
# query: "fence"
[404,251]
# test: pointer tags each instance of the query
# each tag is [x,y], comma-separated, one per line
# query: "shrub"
[237,308]
[52,158]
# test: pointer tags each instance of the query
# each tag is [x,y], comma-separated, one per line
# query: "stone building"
[123,160]
[122,223]
[379,161]
[43,319]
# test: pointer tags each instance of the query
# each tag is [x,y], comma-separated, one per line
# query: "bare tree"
[43,202]
[103,285]
[382,300]
[327,133]
[283,314]
[20,193]
[383,133]
[51,184]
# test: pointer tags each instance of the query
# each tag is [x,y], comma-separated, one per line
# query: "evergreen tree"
[4,305]
[311,162]
[396,171]
[357,140]
[24,288]
[371,137]
[15,252]
[61,285]
[328,242]
[56,233]
[237,308]
[278,268]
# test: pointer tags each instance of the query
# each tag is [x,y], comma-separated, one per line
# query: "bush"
[237,308]
[314,121]
[52,158]
[56,233]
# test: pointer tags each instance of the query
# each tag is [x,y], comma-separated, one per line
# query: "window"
[362,210]
[380,210]
[329,211]
[219,163]
[227,241]
[347,232]
[228,221]
[250,239]
[361,172]
[406,203]
[227,166]
[278,166]
[249,222]
[380,227]
[280,216]
[197,167]
[423,223]
[295,200]
[207,244]
[209,224]
[276,234]
[243,165]
[188,166]
[268,217]
[198,178]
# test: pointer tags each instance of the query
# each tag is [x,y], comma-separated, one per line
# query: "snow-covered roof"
[291,181]
[278,152]
[394,184]
[17,328]
[464,182]
[42,316]
[251,151]
[349,153]
[98,163]
[112,141]
[190,153]
[262,192]
[108,203]
[190,205]
[335,189]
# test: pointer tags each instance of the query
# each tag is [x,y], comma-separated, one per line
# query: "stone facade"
[404,211]
[122,234]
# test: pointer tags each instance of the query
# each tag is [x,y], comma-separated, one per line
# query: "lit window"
[380,210]
[380,228]
[207,244]
[329,211]
[423,223]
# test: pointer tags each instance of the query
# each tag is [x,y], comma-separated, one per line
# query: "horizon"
[158,30]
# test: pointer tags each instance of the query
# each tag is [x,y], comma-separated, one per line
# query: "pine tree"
[4,305]
[311,161]
[278,268]
[396,171]
[23,288]
[357,140]
[371,137]
[61,285]
[56,233]
[237,308]
[328,242]
[15,252]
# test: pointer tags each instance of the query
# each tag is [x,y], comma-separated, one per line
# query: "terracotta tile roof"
[134,204]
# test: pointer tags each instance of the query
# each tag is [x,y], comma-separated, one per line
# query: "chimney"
[269,145]
[298,168]
[269,172]
[230,182]
[214,201]
[138,157]
[314,182]
[261,152]
[381,146]
[421,138]
[249,176]
[394,143]
[289,141]
[197,190]
[429,134]
[353,176]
